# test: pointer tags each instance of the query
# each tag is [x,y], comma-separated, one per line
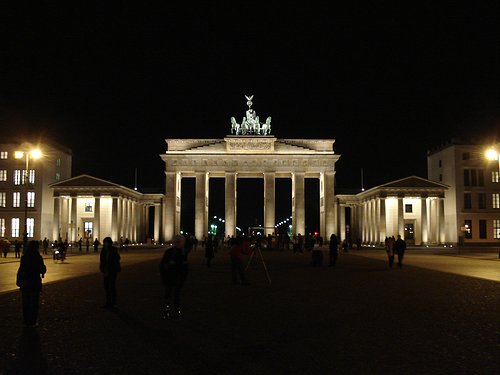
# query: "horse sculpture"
[265,129]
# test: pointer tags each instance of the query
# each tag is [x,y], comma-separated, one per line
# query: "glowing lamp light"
[19,154]
[491,154]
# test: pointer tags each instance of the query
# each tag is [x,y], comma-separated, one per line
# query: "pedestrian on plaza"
[345,246]
[45,245]
[30,282]
[5,244]
[80,244]
[109,265]
[389,248]
[17,249]
[87,244]
[209,250]
[238,251]
[400,247]
[174,271]
[96,245]
[333,249]
[309,242]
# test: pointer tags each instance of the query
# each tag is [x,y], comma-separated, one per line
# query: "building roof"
[85,180]
[412,182]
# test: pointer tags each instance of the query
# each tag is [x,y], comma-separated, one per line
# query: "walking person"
[389,248]
[87,244]
[333,249]
[238,250]
[400,247]
[173,272]
[80,245]
[45,245]
[109,266]
[5,244]
[209,250]
[96,245]
[30,282]
[17,248]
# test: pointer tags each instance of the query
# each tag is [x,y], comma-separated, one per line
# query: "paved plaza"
[357,318]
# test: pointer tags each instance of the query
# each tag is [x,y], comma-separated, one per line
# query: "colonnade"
[172,204]
[374,218]
[125,217]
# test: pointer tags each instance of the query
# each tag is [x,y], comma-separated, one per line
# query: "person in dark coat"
[109,266]
[17,248]
[333,249]
[400,247]
[173,272]
[96,245]
[209,250]
[30,282]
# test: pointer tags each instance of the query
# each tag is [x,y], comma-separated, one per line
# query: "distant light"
[215,216]
[19,154]
[36,153]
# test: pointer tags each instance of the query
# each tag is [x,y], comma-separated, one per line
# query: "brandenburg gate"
[249,152]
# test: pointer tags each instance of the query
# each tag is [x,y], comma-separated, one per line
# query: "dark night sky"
[386,81]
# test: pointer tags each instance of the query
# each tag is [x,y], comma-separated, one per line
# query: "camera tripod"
[257,249]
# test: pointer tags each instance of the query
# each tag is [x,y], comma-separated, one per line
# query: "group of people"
[173,269]
[395,246]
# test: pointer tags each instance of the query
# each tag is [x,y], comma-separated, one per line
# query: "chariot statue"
[250,125]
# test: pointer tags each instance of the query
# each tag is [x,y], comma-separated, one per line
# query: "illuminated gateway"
[425,212]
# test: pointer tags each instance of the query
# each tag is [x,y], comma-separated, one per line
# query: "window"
[30,226]
[408,208]
[440,177]
[482,229]
[3,199]
[88,207]
[3,174]
[58,162]
[4,154]
[440,163]
[2,227]
[16,199]
[496,228]
[31,176]
[17,177]
[473,177]
[14,227]
[466,156]
[31,199]
[468,229]
[87,227]
[480,177]
[58,176]
[481,200]
[495,197]
[467,201]
[494,176]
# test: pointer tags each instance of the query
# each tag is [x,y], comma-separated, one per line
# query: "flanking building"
[90,207]
[472,202]
[27,168]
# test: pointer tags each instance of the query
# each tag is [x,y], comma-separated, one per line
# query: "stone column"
[114,219]
[56,223]
[342,222]
[230,200]
[97,216]
[157,223]
[383,221]
[201,207]
[74,211]
[146,222]
[269,204]
[298,209]
[172,201]
[401,220]
[424,230]
[329,213]
[441,232]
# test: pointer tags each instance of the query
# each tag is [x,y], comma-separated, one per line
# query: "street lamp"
[29,154]
[493,154]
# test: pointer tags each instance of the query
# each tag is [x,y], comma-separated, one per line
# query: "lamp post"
[493,153]
[35,154]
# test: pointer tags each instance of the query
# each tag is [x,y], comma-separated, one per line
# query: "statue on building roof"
[250,125]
